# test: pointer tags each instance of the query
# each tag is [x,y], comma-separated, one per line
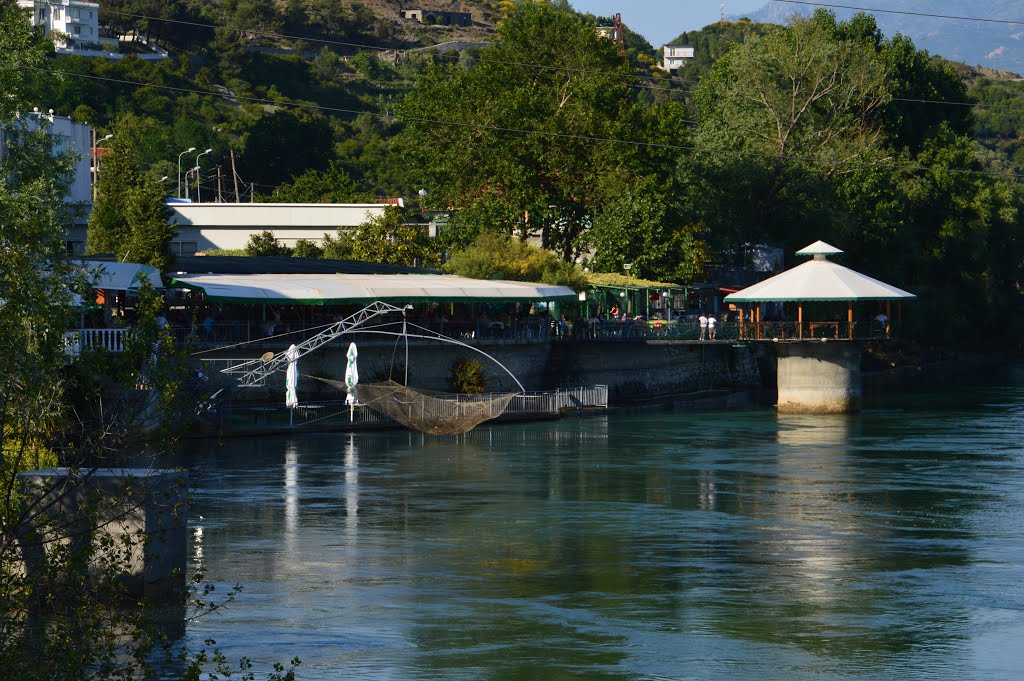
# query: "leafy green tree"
[129,217]
[285,144]
[149,228]
[511,146]
[779,116]
[326,66]
[23,54]
[266,244]
[333,185]
[495,255]
[341,246]
[304,248]
[386,238]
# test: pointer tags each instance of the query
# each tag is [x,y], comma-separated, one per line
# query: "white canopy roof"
[121,276]
[818,280]
[331,289]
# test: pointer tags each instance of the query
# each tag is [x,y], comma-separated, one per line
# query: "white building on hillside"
[204,226]
[76,19]
[76,138]
[676,56]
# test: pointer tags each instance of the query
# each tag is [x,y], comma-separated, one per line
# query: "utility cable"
[904,12]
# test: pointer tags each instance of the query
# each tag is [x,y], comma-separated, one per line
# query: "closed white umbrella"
[351,379]
[291,378]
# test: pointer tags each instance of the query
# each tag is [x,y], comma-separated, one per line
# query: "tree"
[23,54]
[386,238]
[333,185]
[304,248]
[149,228]
[780,115]
[508,145]
[266,244]
[129,217]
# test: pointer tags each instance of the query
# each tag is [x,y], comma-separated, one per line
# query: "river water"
[739,545]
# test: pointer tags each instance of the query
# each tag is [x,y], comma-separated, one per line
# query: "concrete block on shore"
[133,521]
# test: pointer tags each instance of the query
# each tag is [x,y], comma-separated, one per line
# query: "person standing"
[712,322]
[703,321]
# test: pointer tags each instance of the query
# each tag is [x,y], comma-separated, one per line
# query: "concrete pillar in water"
[143,512]
[819,378]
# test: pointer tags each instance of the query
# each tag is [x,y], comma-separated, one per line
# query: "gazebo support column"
[800,321]
[819,378]
[849,319]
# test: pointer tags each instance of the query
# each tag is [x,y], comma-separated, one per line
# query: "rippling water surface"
[743,545]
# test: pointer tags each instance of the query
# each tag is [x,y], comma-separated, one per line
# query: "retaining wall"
[634,371]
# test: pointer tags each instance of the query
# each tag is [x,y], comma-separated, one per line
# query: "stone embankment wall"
[636,372]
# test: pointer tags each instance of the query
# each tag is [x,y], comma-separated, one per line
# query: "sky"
[662,20]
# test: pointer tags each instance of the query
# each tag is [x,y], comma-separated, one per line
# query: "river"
[738,545]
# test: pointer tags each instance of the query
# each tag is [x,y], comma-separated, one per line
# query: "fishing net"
[428,412]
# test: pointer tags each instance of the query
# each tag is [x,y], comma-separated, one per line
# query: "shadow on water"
[653,546]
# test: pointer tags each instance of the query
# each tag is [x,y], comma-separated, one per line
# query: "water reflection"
[652,546]
[351,487]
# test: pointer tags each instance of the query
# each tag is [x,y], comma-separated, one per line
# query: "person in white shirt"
[711,326]
[703,321]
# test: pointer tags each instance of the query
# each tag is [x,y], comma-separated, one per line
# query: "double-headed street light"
[187,151]
[199,179]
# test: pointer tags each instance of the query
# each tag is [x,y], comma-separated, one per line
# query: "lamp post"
[187,151]
[96,162]
[199,180]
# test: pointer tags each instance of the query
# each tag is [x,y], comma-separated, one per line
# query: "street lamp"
[187,151]
[199,180]
[96,162]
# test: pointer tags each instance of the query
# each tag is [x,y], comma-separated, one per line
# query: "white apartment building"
[676,56]
[76,19]
[77,138]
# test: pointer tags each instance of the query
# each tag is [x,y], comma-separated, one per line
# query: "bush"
[468,377]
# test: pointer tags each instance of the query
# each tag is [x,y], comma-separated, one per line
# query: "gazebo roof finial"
[820,250]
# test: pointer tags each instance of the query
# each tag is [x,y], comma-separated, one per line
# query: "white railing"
[111,340]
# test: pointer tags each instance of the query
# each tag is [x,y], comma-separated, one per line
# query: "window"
[56,12]
[184,247]
[76,29]
[75,247]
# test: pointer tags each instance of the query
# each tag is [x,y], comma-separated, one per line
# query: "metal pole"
[199,179]
[187,151]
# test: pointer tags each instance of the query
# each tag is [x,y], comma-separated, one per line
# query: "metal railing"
[543,331]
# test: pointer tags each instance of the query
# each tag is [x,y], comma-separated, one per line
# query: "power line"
[526,131]
[906,12]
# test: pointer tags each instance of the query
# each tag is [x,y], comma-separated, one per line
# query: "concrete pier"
[131,519]
[819,377]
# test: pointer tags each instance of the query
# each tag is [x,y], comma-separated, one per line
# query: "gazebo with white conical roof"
[816,378]
[817,280]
